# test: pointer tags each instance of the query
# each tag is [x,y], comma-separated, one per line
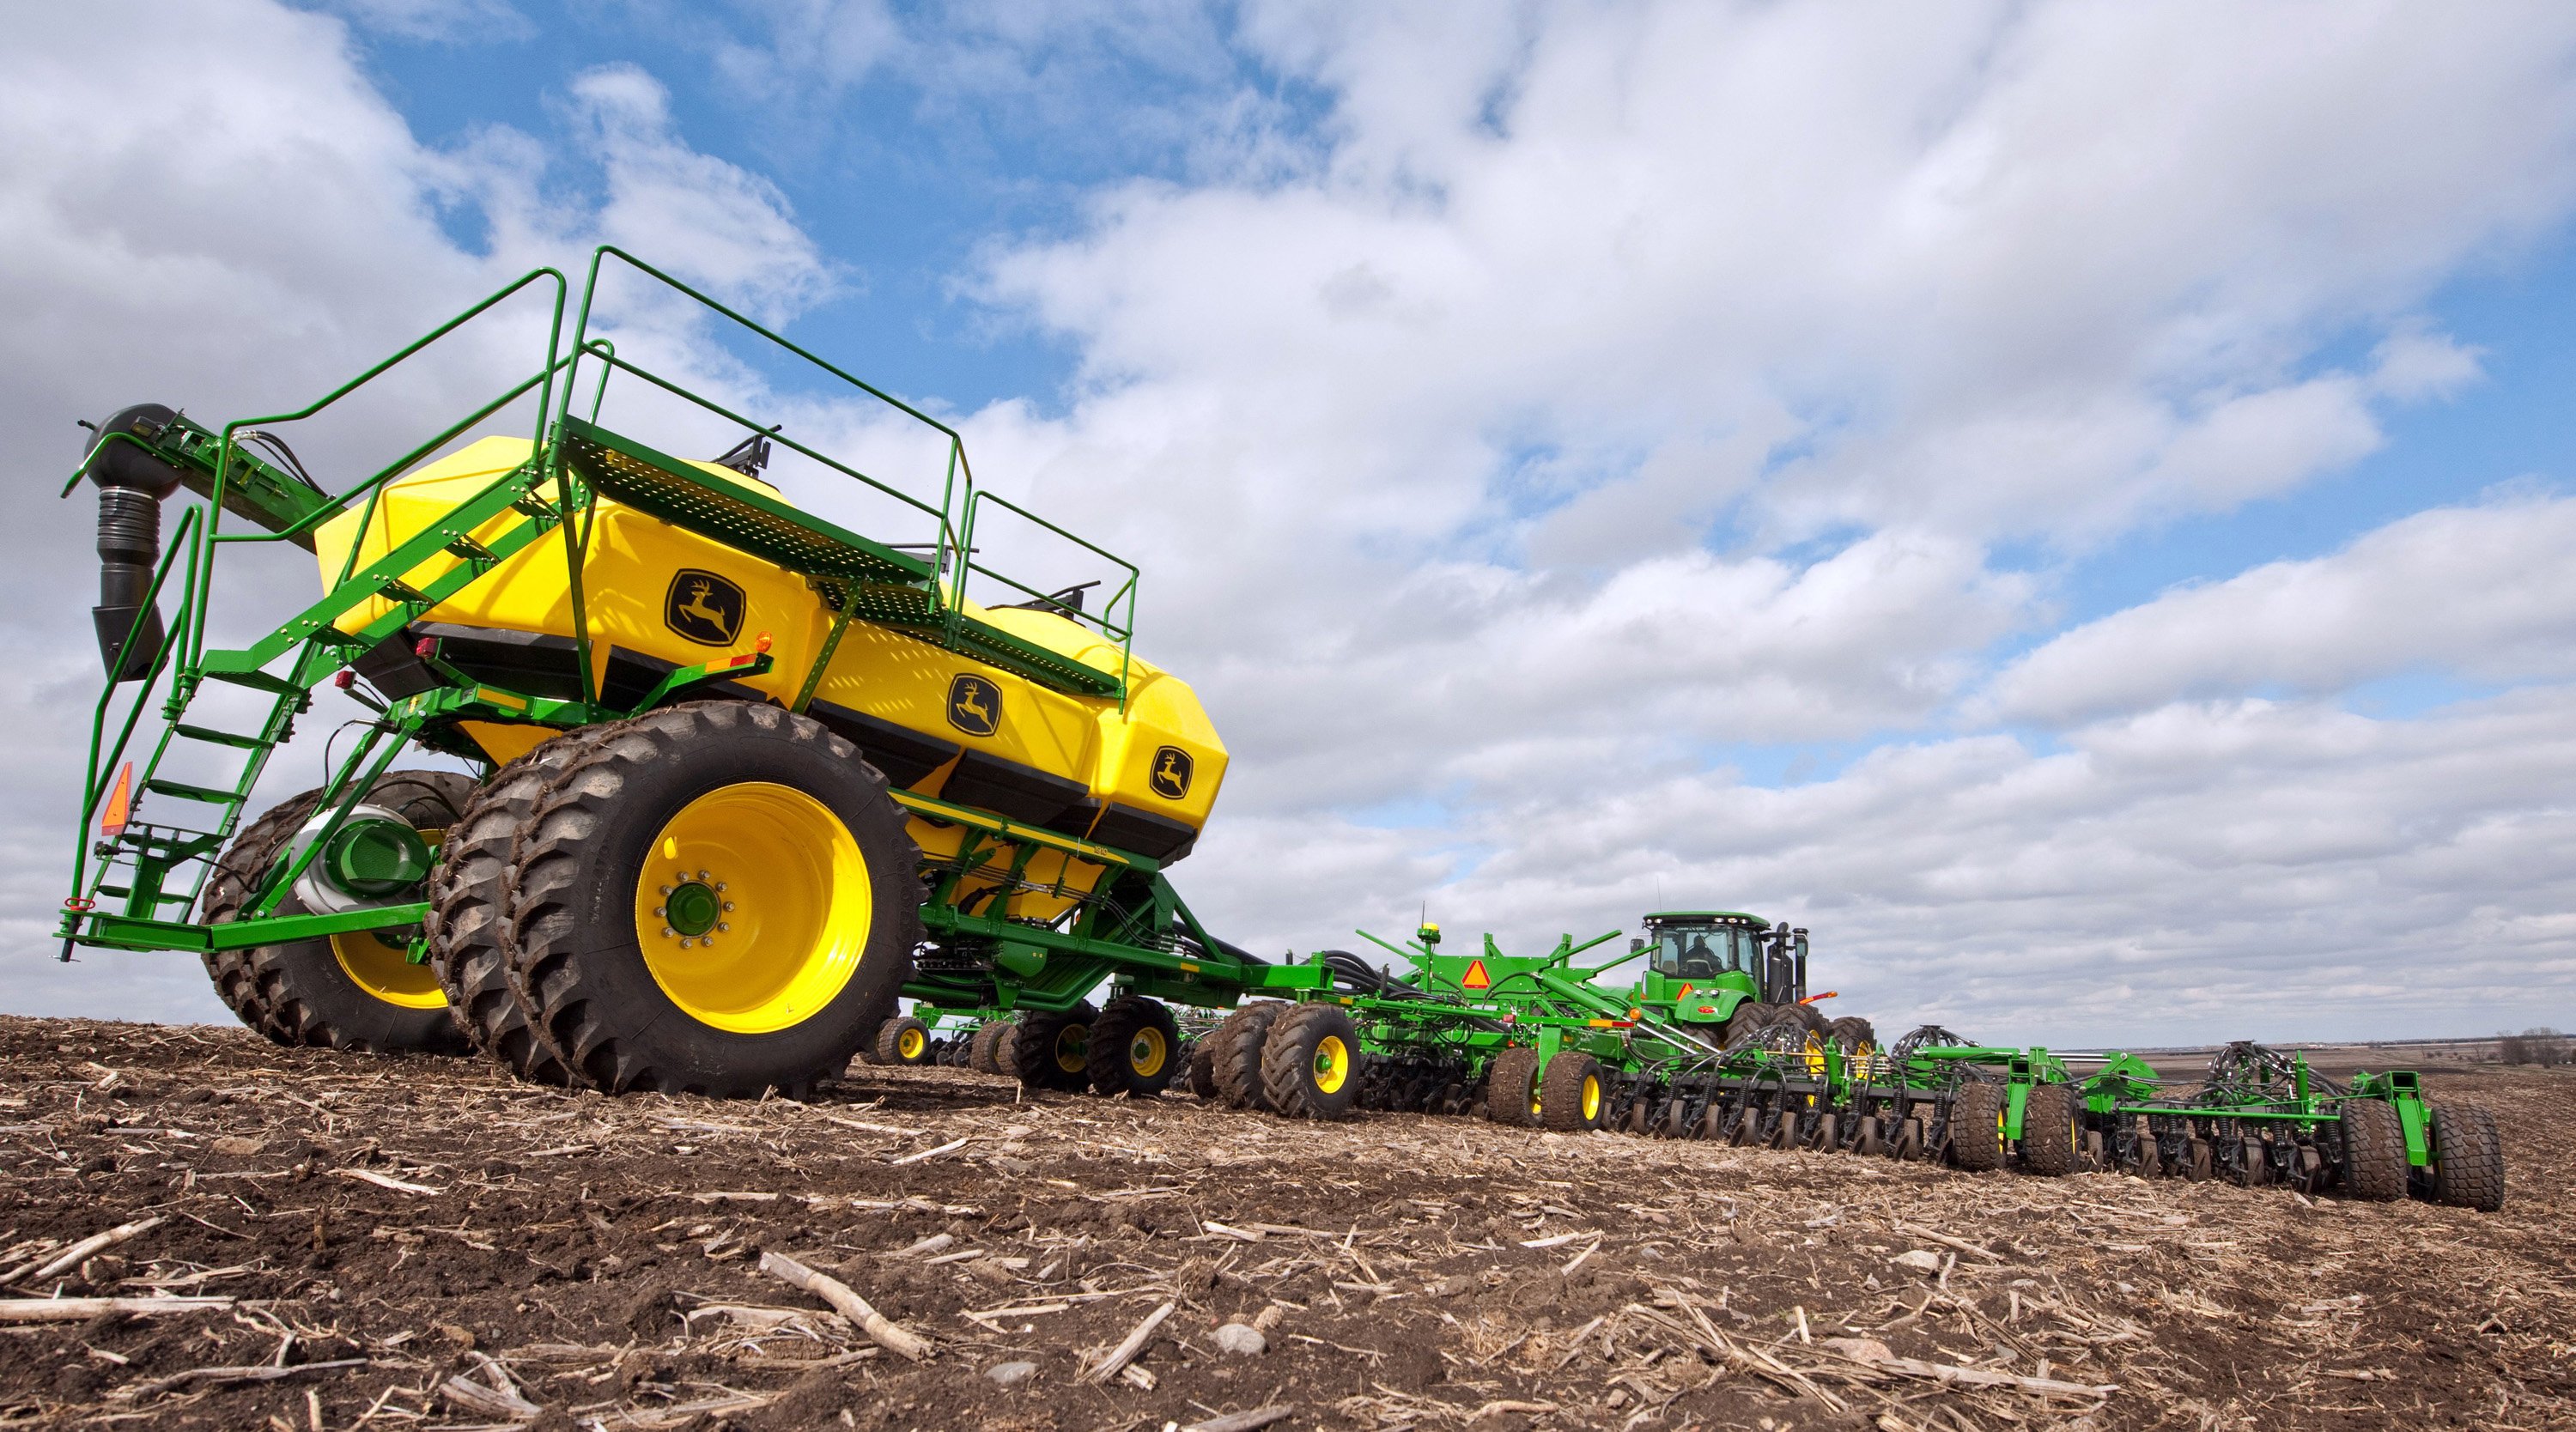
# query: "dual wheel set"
[1299,1060]
[716,898]
[1130,1046]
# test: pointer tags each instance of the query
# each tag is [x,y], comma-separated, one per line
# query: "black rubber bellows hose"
[131,485]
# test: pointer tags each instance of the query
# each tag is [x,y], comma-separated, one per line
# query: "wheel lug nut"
[661,910]
[666,889]
[666,932]
[719,887]
[728,905]
[721,925]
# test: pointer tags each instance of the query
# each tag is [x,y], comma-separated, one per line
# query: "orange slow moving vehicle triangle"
[1476,978]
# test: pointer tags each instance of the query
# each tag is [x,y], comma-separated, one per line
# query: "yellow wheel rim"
[377,966]
[753,907]
[910,1043]
[1332,1063]
[1591,1097]
[1073,1048]
[1146,1053]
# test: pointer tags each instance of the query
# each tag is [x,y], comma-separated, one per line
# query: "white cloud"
[231,219]
[1590,395]
[2484,593]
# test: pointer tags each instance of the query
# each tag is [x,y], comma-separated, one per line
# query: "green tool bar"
[2205,1111]
[126,932]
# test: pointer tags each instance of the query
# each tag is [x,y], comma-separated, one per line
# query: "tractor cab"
[1701,964]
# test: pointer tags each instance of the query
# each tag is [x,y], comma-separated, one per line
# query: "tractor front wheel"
[713,898]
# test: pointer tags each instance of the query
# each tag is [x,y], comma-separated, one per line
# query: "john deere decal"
[705,608]
[1171,778]
[974,705]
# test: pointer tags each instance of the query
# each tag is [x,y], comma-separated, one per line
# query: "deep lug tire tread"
[1288,1062]
[2374,1151]
[603,1035]
[1509,1082]
[1028,1052]
[1560,1093]
[1974,1142]
[2469,1167]
[2048,1131]
[982,1044]
[1234,1054]
[469,924]
[296,994]
[1120,1021]
[889,1041]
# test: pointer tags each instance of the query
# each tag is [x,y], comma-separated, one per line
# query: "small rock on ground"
[1011,1374]
[1242,1339]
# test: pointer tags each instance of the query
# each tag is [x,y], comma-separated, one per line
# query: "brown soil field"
[410,1243]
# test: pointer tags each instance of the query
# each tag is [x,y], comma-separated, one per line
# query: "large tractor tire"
[1746,1024]
[2051,1140]
[902,1041]
[354,991]
[468,920]
[1511,1087]
[2374,1151]
[1855,1036]
[1202,1066]
[713,898]
[1310,1064]
[1134,1049]
[1234,1054]
[1569,1094]
[1977,1127]
[1750,1028]
[1050,1051]
[2468,1168]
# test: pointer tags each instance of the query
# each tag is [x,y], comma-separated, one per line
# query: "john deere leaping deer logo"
[1171,777]
[974,706]
[705,608]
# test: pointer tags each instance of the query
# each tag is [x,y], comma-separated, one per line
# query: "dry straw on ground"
[298,1239]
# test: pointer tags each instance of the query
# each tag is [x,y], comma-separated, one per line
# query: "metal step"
[220,738]
[251,677]
[186,792]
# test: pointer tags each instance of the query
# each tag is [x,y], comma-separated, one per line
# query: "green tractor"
[1736,975]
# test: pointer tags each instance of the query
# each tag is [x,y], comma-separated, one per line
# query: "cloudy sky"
[2068,501]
